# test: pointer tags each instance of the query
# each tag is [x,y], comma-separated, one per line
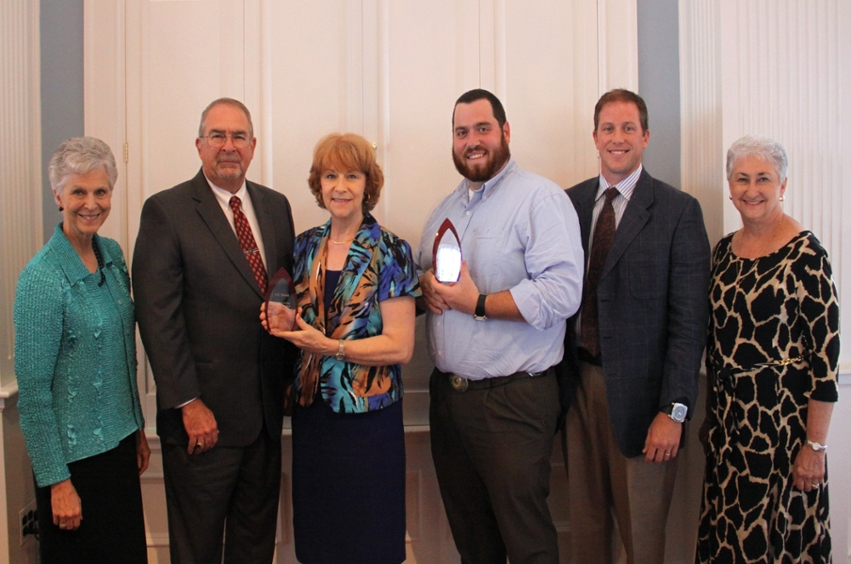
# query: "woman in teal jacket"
[75,360]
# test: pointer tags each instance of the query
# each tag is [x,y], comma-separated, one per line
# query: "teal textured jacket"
[75,356]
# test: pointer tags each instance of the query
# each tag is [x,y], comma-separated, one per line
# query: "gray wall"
[659,85]
[61,88]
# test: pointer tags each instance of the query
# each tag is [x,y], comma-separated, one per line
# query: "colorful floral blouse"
[379,267]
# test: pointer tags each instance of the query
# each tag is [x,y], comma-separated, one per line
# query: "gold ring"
[62,525]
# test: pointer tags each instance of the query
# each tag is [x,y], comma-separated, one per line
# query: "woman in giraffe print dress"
[772,355]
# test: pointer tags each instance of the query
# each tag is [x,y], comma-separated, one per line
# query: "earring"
[61,208]
[782,198]
[731,198]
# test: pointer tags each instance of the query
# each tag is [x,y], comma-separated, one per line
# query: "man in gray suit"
[640,334]
[204,253]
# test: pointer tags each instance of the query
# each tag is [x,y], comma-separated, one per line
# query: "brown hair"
[622,95]
[344,152]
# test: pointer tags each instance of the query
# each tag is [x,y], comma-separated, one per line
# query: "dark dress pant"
[491,449]
[225,499]
[113,526]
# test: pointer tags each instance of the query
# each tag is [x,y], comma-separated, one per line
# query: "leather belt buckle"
[459,383]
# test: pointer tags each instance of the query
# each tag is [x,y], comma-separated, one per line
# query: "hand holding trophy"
[446,255]
[280,303]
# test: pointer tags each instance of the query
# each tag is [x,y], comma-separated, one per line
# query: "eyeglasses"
[218,140]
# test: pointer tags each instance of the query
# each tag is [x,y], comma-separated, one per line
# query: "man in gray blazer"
[640,334]
[205,251]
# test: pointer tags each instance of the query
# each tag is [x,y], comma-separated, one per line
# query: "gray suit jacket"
[653,304]
[197,303]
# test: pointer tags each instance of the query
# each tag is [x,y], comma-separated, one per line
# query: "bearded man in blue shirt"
[494,337]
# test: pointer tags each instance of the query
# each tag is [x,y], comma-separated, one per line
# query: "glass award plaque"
[280,302]
[447,254]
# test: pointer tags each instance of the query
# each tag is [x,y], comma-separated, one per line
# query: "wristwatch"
[479,315]
[676,411]
[341,352]
[816,446]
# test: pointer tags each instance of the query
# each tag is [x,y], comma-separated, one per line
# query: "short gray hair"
[763,148]
[80,155]
[226,102]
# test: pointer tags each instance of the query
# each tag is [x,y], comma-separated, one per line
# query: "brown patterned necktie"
[604,234]
[249,244]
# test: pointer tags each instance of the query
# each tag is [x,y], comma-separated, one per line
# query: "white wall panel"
[20,160]
[20,239]
[617,25]
[701,110]
[315,66]
[781,72]
[551,88]
[183,56]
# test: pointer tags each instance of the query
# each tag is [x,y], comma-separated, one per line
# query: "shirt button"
[468,213]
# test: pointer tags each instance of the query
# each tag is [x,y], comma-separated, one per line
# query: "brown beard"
[498,159]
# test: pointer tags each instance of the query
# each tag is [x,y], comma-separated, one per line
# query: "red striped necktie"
[249,244]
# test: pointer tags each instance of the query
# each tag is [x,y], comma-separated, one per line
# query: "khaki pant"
[604,486]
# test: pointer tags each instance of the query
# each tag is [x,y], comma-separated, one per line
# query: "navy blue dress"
[348,481]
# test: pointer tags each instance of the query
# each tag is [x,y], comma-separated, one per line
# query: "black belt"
[585,356]
[462,384]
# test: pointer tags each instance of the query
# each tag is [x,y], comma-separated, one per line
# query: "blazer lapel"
[267,227]
[634,218]
[211,212]
[585,210]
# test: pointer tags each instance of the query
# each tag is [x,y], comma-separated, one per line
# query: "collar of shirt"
[625,187]
[625,190]
[68,258]
[223,197]
[490,185]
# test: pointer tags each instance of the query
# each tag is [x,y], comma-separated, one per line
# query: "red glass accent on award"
[446,255]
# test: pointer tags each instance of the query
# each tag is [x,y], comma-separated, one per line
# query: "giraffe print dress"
[773,343]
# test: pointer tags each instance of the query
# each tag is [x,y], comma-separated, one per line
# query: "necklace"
[763,244]
[99,259]
[340,242]
[745,267]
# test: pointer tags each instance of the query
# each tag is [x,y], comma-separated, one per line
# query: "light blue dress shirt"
[520,233]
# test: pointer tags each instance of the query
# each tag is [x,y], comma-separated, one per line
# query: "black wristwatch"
[676,411]
[479,315]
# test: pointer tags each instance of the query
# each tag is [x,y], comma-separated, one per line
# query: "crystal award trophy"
[447,254]
[280,302]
